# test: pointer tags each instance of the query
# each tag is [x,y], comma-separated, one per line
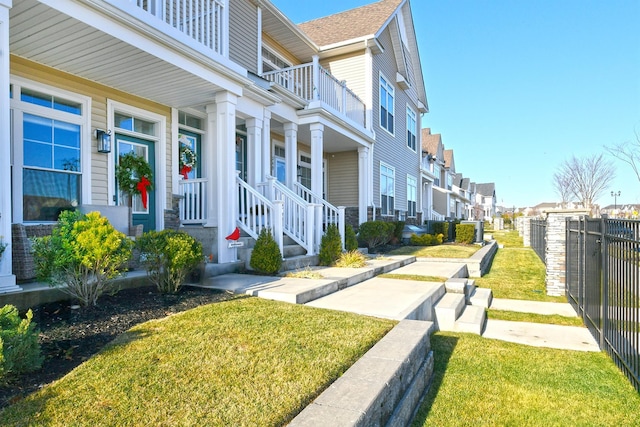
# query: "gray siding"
[392,149]
[243,34]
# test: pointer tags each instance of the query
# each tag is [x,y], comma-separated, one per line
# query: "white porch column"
[225,179]
[7,279]
[363,183]
[254,151]
[209,166]
[266,145]
[317,148]
[291,152]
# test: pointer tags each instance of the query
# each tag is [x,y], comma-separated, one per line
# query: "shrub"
[266,257]
[330,246]
[376,233]
[441,227]
[19,346]
[426,239]
[84,252]
[168,256]
[350,239]
[352,259]
[398,228]
[465,233]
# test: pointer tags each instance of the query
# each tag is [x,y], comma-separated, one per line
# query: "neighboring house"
[292,126]
[486,199]
[461,187]
[442,167]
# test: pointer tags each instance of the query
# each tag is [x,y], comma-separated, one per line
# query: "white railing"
[202,20]
[256,212]
[298,216]
[311,82]
[435,216]
[328,214]
[192,206]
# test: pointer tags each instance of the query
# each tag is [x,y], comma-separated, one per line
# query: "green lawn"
[485,382]
[245,362]
[438,251]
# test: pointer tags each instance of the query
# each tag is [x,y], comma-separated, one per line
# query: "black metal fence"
[538,237]
[603,284]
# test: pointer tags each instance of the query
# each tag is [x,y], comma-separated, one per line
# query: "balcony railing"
[202,20]
[311,82]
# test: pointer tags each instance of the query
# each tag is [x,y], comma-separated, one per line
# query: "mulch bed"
[69,336]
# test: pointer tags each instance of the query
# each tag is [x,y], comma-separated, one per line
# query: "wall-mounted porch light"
[104,141]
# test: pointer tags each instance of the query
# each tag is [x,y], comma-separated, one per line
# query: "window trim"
[390,90]
[393,176]
[19,107]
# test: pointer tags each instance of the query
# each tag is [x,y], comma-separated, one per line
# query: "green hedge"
[465,233]
[426,239]
[441,227]
[376,233]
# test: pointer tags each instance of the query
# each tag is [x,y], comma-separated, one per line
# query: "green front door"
[141,214]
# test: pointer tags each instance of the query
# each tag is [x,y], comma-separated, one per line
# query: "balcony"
[312,83]
[200,20]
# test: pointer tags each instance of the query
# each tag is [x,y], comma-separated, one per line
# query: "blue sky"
[516,87]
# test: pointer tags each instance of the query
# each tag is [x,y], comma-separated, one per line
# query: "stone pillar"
[555,251]
[291,153]
[7,278]
[254,151]
[225,179]
[524,229]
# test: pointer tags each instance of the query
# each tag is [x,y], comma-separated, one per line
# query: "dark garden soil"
[69,336]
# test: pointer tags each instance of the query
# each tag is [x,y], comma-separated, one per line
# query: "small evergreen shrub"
[351,259]
[330,246]
[376,233]
[441,227]
[168,256]
[19,346]
[350,238]
[84,252]
[465,233]
[426,239]
[398,228]
[266,257]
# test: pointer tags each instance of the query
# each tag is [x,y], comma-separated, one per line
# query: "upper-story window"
[386,105]
[449,182]
[271,61]
[436,172]
[411,129]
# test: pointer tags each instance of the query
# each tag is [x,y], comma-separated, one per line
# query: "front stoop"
[384,387]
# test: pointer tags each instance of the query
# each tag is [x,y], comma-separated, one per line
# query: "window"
[271,61]
[48,152]
[411,129]
[436,173]
[279,165]
[386,105]
[134,124]
[304,171]
[412,189]
[387,189]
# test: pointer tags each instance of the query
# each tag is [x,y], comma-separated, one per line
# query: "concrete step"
[481,297]
[457,285]
[299,262]
[295,250]
[448,309]
[471,320]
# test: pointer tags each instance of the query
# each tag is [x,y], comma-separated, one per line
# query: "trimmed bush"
[351,259]
[168,256]
[84,252]
[19,346]
[376,233]
[330,246]
[441,227]
[426,239]
[465,233]
[350,238]
[266,257]
[397,231]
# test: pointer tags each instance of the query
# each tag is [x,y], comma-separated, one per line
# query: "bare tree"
[628,152]
[562,185]
[587,177]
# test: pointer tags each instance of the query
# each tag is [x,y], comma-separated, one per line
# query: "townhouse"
[246,119]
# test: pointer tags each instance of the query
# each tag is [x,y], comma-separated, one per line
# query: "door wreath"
[188,160]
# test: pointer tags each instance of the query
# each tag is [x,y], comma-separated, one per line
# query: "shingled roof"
[352,24]
[486,189]
[430,141]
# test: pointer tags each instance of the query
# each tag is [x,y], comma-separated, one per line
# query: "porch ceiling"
[46,36]
[333,140]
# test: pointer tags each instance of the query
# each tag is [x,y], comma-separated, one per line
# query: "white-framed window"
[387,189]
[411,128]
[412,191]
[271,61]
[386,104]
[436,173]
[51,137]
[279,163]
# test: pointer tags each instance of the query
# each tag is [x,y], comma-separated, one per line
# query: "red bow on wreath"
[184,171]
[142,188]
